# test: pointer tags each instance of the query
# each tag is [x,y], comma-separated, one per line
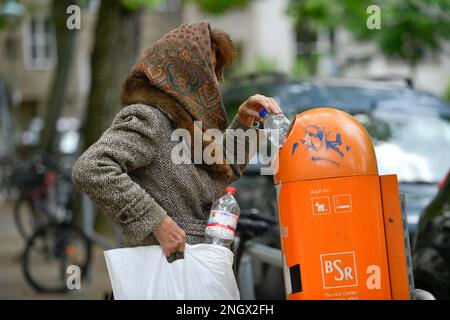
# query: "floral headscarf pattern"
[180,65]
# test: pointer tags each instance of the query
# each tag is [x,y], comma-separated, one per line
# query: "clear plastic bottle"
[223,219]
[276,125]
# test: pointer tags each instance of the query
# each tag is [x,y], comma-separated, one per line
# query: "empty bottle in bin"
[276,126]
[223,220]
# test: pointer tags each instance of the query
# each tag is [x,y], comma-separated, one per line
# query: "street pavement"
[12,282]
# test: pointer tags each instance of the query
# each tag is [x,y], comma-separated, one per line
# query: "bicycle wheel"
[50,251]
[26,218]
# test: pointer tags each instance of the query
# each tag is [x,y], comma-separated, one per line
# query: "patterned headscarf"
[180,65]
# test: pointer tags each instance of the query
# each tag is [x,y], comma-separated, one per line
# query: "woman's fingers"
[169,248]
[178,240]
[259,102]
[181,246]
[181,240]
[183,234]
[166,252]
[175,243]
[250,109]
[170,236]
[263,102]
[274,106]
[271,105]
[252,113]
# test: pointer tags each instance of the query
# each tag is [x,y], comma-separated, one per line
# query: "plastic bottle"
[223,219]
[276,125]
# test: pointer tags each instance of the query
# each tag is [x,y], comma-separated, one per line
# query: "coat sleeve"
[240,143]
[102,171]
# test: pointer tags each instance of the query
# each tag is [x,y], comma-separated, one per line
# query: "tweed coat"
[130,176]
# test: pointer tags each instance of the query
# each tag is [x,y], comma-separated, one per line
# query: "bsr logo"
[339,270]
[343,273]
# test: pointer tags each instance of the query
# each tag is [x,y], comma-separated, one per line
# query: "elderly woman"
[129,173]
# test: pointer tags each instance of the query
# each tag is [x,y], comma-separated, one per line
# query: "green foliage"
[219,6]
[409,28]
[260,64]
[263,64]
[82,3]
[5,21]
[133,5]
[301,70]
[2,23]
[447,92]
[320,13]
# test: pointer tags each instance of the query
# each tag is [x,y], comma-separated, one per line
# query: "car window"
[416,147]
[414,144]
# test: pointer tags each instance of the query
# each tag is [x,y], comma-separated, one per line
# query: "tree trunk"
[307,36]
[116,47]
[65,40]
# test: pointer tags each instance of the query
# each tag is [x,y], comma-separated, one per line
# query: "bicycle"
[36,181]
[55,242]
[50,251]
[6,172]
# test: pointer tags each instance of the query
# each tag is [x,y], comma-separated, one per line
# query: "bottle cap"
[230,190]
[263,113]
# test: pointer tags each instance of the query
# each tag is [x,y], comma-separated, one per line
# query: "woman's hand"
[170,236]
[248,111]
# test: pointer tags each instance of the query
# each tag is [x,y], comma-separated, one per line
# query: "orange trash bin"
[342,227]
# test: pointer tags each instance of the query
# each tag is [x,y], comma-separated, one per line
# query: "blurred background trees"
[219,6]
[65,41]
[115,50]
[411,32]
[410,28]
[64,84]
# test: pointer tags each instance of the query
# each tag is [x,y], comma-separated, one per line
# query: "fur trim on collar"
[137,89]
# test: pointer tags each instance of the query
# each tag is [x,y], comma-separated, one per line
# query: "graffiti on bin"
[317,138]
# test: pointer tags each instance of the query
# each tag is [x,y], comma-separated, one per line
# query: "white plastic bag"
[143,273]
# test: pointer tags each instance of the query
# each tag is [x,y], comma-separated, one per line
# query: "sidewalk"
[12,282]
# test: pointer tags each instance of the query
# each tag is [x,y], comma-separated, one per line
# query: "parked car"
[410,131]
[431,250]
[410,128]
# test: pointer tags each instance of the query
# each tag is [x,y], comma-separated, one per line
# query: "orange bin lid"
[325,143]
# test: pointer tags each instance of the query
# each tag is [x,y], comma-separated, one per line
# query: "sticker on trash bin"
[342,203]
[320,205]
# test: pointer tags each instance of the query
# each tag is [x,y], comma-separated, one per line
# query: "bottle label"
[223,219]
